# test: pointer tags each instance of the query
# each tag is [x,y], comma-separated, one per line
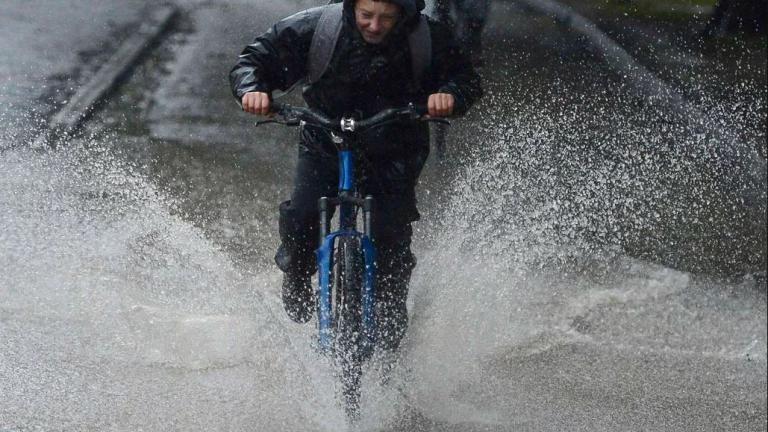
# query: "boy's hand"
[257,103]
[440,105]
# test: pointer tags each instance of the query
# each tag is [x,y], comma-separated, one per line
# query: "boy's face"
[375,19]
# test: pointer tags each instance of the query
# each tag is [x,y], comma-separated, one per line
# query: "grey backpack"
[327,34]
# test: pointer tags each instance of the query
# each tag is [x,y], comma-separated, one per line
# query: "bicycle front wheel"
[348,284]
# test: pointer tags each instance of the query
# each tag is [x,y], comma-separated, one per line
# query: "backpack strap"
[327,34]
[324,41]
[420,41]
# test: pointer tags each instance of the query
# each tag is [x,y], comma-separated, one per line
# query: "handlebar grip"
[420,109]
[276,106]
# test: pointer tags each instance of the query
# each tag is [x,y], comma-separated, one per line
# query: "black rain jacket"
[362,78]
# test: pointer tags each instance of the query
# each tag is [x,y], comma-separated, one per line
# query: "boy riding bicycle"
[370,66]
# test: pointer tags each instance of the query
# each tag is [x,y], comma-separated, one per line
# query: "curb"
[87,98]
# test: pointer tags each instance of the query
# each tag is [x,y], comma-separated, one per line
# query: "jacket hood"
[411,8]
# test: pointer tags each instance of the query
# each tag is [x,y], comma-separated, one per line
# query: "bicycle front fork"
[325,204]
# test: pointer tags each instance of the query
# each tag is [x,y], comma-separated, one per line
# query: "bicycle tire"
[348,327]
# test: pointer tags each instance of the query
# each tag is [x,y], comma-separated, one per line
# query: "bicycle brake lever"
[421,114]
[286,122]
[437,120]
[263,122]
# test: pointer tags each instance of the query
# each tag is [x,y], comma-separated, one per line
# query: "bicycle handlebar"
[293,114]
[305,114]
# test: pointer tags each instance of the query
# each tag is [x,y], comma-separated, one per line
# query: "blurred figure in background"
[469,22]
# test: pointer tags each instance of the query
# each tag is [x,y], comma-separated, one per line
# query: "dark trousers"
[394,211]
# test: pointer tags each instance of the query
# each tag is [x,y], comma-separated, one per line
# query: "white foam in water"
[95,265]
[527,262]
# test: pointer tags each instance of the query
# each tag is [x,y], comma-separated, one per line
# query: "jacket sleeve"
[277,59]
[452,71]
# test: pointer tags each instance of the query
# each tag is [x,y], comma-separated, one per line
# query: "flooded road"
[572,255]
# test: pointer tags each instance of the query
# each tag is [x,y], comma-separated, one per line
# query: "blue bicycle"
[346,258]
